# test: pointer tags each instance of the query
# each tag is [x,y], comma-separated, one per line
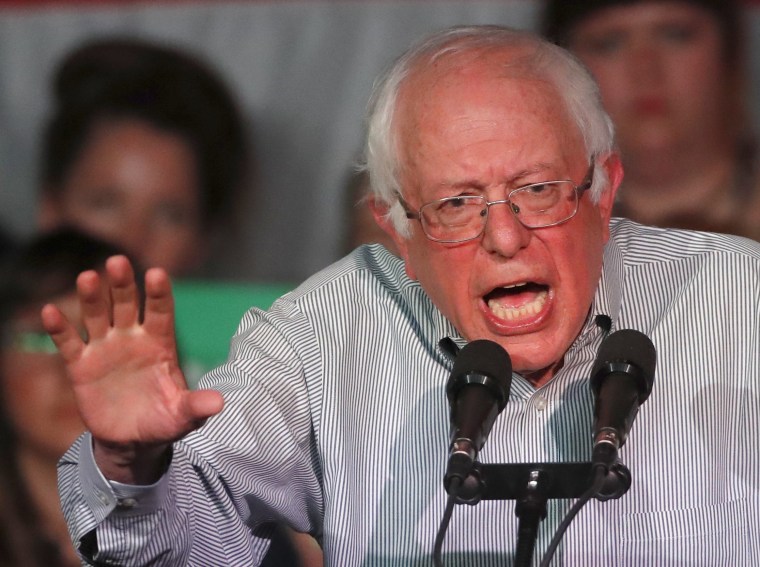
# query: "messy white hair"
[545,61]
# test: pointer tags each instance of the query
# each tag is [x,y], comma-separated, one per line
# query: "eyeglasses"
[538,205]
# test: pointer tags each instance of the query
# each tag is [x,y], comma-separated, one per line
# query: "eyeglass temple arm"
[411,215]
[588,180]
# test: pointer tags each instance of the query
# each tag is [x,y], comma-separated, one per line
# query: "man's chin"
[535,366]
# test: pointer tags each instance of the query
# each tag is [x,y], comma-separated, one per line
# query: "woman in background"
[38,416]
[672,76]
[145,148]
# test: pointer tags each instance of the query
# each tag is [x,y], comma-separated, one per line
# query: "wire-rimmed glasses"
[462,218]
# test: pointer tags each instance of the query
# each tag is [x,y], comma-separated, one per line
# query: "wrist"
[132,464]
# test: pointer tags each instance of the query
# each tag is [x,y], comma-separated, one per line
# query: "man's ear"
[613,166]
[380,212]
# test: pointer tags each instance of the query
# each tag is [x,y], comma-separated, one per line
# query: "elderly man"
[494,171]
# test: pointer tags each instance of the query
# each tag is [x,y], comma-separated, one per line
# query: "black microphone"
[477,390]
[621,381]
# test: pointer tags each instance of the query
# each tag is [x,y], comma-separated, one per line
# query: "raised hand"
[129,388]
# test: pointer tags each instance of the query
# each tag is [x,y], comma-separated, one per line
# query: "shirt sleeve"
[253,464]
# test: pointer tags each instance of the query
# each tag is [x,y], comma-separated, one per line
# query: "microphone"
[477,390]
[621,381]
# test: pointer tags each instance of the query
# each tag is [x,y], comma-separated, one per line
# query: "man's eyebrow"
[464,184]
[540,167]
[512,180]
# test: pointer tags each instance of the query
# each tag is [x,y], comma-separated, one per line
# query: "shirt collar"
[609,293]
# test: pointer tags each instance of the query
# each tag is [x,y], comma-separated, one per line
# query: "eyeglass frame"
[578,190]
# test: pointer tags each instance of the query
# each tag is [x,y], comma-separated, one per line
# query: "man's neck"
[540,377]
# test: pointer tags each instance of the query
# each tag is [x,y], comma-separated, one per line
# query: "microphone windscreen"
[628,346]
[482,358]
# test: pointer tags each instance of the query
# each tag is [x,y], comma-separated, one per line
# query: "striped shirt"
[336,422]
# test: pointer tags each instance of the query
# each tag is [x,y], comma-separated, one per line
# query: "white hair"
[545,61]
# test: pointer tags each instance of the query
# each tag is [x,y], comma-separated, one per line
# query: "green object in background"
[208,314]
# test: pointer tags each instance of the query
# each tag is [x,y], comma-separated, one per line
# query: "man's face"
[476,132]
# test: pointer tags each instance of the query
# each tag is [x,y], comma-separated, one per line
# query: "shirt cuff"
[106,497]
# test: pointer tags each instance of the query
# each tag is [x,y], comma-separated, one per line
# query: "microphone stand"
[530,510]
[532,485]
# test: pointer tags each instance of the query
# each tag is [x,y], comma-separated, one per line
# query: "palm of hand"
[135,376]
[126,379]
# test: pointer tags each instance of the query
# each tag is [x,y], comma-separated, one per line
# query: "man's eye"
[539,189]
[455,203]
[457,210]
[538,197]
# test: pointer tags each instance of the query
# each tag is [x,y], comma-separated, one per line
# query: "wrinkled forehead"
[458,62]
[441,76]
[491,85]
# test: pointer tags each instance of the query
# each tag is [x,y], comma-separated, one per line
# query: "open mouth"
[518,301]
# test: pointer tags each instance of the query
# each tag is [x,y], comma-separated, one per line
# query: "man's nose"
[504,234]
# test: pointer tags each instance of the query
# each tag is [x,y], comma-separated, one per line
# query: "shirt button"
[127,503]
[102,496]
[540,403]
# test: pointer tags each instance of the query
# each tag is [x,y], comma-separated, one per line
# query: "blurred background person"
[7,243]
[362,228]
[38,416]
[673,77]
[145,148]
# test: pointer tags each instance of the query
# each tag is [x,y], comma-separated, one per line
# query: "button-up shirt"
[337,423]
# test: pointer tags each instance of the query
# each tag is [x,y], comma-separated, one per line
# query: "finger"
[159,304]
[95,313]
[124,295]
[64,334]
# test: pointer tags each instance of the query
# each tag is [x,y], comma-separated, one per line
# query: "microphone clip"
[511,481]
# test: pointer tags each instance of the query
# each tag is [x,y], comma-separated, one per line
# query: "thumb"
[199,405]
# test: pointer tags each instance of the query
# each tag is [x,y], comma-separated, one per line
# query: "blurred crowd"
[146,153]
